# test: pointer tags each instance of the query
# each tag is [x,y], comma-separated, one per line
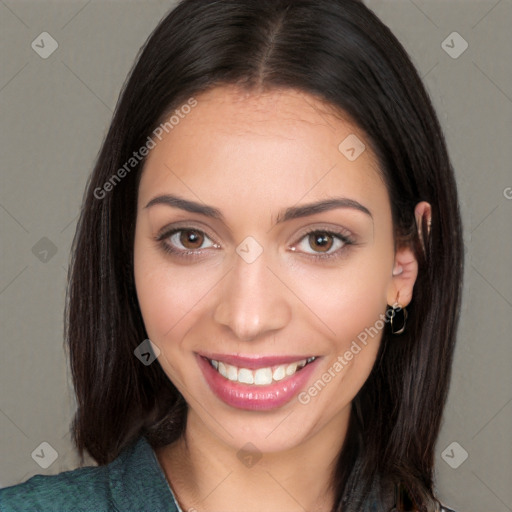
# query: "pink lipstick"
[256,383]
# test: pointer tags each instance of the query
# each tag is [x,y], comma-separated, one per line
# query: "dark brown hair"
[336,50]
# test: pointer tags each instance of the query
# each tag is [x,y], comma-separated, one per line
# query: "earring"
[394,328]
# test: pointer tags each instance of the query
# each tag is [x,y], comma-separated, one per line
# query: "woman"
[274,208]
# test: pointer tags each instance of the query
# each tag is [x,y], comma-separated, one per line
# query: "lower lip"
[254,397]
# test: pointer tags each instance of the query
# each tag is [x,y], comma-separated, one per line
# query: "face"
[264,262]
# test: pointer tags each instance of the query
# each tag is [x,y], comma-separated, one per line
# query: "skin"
[252,156]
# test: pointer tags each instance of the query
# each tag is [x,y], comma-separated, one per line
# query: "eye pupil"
[321,241]
[191,239]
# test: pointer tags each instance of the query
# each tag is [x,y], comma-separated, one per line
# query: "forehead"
[277,146]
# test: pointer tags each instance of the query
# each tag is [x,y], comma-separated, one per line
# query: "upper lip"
[255,361]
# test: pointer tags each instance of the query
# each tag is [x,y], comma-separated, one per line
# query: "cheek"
[169,296]
[170,303]
[360,309]
[352,350]
[349,298]
[351,303]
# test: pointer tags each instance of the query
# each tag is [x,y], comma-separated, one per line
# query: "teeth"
[291,369]
[222,370]
[232,372]
[261,376]
[279,373]
[245,376]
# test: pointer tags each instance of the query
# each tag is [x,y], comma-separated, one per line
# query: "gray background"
[54,115]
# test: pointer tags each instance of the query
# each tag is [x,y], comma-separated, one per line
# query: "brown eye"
[191,239]
[320,241]
[187,243]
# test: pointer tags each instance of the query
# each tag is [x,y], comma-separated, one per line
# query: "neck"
[207,474]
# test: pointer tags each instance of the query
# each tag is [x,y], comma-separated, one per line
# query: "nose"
[253,302]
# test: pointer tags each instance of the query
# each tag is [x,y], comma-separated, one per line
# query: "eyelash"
[343,237]
[192,254]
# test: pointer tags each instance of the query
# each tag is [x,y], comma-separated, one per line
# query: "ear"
[423,211]
[405,269]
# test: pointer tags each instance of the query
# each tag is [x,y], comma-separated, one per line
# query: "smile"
[256,383]
[261,376]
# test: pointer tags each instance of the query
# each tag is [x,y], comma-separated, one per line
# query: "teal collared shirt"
[133,482]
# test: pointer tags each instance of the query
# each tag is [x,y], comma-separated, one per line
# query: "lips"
[256,383]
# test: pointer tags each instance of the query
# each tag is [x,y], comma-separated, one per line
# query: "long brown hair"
[339,51]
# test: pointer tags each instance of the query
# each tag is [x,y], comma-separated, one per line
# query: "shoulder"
[446,509]
[79,489]
[133,481]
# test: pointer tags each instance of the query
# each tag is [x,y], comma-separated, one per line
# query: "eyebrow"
[291,213]
[185,204]
[296,212]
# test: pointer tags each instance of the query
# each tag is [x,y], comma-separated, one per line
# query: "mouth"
[261,376]
[256,383]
